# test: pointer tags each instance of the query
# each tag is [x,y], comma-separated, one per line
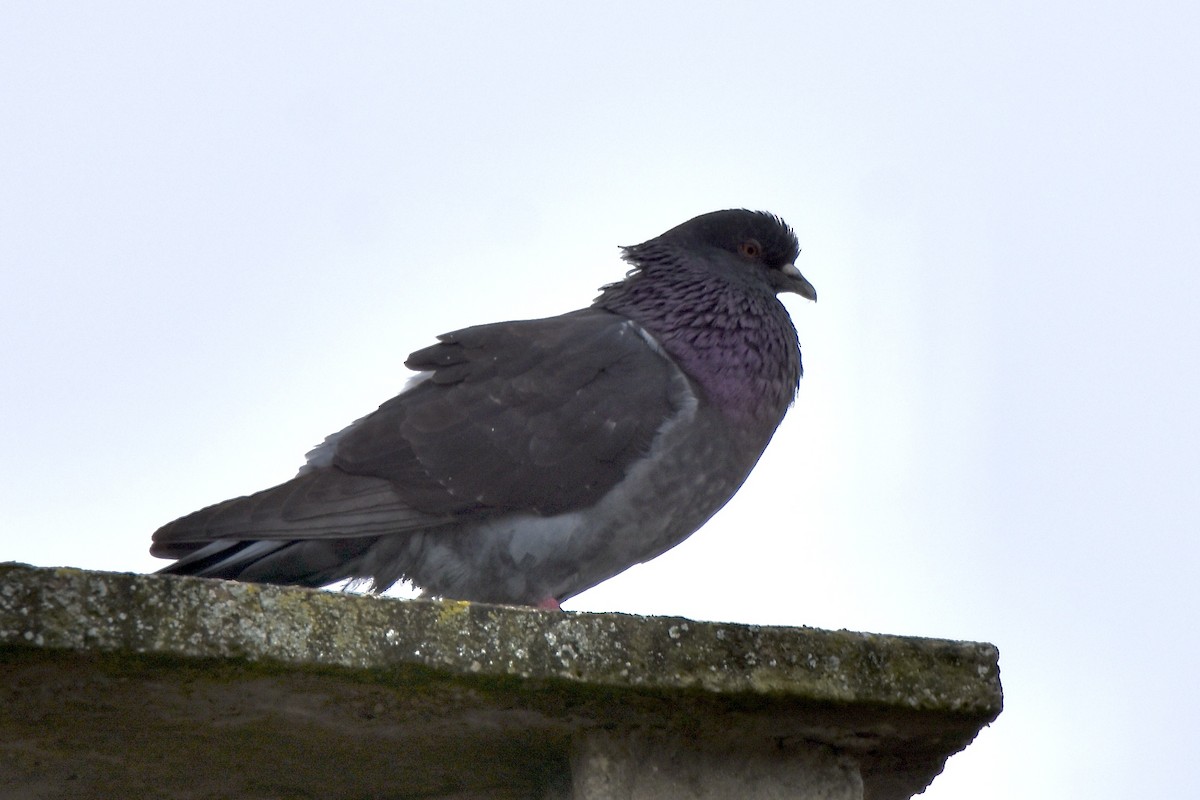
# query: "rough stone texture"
[154,686]
[611,765]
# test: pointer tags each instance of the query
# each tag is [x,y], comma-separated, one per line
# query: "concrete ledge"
[156,686]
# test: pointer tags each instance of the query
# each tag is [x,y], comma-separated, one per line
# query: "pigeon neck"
[736,342]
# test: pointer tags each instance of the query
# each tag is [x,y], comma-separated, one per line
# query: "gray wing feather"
[542,416]
[539,416]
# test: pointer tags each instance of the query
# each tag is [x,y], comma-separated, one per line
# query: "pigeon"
[528,461]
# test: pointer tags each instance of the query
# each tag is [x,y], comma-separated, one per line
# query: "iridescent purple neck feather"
[716,313]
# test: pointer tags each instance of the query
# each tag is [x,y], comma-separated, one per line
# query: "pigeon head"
[706,291]
[762,247]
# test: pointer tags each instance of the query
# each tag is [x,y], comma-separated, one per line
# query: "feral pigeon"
[528,461]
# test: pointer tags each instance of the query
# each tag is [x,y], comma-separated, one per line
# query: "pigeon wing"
[541,416]
[538,416]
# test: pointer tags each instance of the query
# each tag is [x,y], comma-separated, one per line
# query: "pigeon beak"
[798,283]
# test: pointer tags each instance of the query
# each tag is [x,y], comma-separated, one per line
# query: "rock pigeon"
[528,461]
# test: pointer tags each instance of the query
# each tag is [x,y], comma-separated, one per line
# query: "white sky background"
[223,228]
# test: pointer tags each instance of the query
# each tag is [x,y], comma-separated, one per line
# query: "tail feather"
[224,558]
[316,505]
[311,531]
[294,563]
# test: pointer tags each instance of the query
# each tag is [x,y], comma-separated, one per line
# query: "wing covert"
[539,415]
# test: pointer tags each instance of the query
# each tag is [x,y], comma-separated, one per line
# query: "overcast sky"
[223,226]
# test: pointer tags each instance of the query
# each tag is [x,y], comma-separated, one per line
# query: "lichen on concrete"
[429,681]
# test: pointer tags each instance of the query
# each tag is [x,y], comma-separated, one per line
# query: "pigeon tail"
[312,563]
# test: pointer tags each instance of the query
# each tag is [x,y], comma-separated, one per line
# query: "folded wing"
[538,416]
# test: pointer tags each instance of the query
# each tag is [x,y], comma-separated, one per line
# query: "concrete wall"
[153,686]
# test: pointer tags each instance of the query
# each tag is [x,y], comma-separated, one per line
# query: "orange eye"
[750,248]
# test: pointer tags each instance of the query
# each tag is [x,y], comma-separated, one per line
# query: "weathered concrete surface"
[619,765]
[155,686]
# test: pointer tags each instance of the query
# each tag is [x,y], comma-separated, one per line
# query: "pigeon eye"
[750,248]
